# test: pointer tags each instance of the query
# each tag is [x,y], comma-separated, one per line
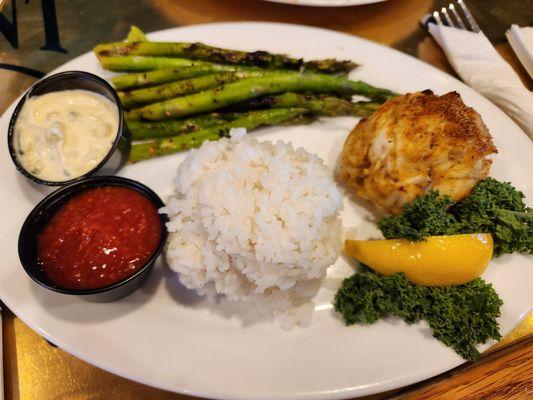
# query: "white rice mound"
[254,221]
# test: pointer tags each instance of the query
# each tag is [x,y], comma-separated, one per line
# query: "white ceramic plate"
[165,336]
[327,3]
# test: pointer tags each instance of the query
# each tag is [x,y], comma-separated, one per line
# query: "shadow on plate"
[371,213]
[425,330]
[245,313]
[76,309]
[336,316]
[178,292]
[31,190]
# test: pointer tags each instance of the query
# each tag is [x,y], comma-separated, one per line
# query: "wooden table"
[34,369]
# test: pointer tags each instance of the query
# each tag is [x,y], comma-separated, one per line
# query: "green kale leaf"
[493,207]
[498,208]
[425,216]
[459,316]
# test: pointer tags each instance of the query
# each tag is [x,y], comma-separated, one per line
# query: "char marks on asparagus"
[178,95]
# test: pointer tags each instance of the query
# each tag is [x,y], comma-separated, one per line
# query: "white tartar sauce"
[62,135]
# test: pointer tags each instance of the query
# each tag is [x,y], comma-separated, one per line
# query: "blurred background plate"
[327,3]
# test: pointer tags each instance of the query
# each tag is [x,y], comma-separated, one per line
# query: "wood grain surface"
[388,23]
[504,374]
[34,369]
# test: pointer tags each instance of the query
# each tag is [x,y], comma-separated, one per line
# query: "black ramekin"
[40,216]
[70,80]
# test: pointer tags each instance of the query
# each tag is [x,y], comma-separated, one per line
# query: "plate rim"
[325,394]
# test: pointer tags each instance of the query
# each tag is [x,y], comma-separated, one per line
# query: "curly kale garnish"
[459,316]
[425,216]
[493,207]
[497,208]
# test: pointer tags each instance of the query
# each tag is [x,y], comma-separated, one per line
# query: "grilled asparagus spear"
[320,104]
[135,35]
[200,51]
[180,88]
[139,63]
[142,130]
[250,121]
[174,144]
[252,87]
[165,75]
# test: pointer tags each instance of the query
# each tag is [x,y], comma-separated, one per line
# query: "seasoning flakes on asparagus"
[177,95]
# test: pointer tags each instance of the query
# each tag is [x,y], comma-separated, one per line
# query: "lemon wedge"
[437,261]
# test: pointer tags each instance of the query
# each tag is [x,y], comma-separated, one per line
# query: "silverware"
[458,16]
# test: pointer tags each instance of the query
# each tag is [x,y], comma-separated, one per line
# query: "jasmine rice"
[254,221]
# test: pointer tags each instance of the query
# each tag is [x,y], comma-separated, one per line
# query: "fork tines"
[455,18]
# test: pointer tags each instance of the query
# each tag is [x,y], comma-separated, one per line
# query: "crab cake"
[415,143]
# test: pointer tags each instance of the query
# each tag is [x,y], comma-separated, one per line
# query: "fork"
[443,17]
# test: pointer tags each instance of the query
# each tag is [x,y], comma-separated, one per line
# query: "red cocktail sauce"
[99,237]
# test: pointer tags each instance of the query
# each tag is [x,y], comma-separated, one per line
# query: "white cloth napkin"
[478,63]
[521,40]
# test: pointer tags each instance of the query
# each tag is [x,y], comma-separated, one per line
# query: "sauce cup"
[43,212]
[116,157]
